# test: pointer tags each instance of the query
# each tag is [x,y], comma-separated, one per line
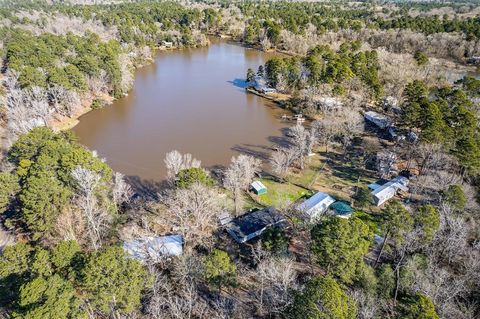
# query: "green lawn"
[280,194]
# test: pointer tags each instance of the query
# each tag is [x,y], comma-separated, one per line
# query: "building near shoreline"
[258,188]
[260,84]
[254,223]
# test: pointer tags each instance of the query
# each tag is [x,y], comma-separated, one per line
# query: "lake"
[190,100]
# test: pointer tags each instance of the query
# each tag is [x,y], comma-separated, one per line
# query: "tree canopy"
[339,245]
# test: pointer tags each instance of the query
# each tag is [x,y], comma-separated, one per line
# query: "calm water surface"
[189,100]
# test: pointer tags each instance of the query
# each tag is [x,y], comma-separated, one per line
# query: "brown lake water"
[190,100]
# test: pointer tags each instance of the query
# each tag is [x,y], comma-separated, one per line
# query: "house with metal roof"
[154,248]
[254,223]
[384,192]
[314,206]
[258,188]
[377,119]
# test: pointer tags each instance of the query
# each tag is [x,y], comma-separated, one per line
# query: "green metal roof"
[342,208]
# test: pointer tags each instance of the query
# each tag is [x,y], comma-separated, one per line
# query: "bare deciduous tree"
[26,109]
[281,159]
[352,125]
[386,163]
[97,218]
[239,175]
[121,190]
[265,43]
[302,141]
[272,282]
[327,128]
[175,162]
[65,102]
[192,212]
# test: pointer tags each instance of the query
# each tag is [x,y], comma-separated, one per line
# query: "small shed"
[258,188]
[342,209]
[377,119]
[315,205]
[388,190]
[154,248]
[224,218]
[254,223]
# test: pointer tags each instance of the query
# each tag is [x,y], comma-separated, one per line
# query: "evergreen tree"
[189,176]
[322,298]
[427,219]
[219,269]
[419,307]
[112,282]
[397,222]
[339,245]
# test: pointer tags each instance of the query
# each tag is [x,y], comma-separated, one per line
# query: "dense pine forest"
[386,100]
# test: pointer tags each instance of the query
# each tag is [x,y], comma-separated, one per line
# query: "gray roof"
[252,224]
[378,119]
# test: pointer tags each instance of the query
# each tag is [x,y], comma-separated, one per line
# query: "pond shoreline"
[191,100]
[63,123]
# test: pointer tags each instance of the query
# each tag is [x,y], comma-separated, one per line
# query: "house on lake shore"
[261,86]
[254,223]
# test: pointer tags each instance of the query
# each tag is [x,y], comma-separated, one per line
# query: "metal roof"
[154,248]
[252,224]
[257,185]
[388,190]
[318,203]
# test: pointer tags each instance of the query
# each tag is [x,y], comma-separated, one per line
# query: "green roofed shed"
[342,209]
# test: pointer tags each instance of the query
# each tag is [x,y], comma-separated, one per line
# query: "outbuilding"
[254,223]
[315,205]
[258,188]
[154,248]
[388,190]
[342,209]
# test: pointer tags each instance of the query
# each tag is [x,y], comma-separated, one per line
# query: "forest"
[382,91]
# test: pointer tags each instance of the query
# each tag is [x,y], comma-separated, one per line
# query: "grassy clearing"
[280,194]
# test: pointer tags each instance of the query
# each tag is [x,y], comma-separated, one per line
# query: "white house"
[167,44]
[315,205]
[154,248]
[383,193]
[377,119]
[260,84]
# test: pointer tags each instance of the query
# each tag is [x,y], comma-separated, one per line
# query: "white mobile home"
[388,190]
[315,205]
